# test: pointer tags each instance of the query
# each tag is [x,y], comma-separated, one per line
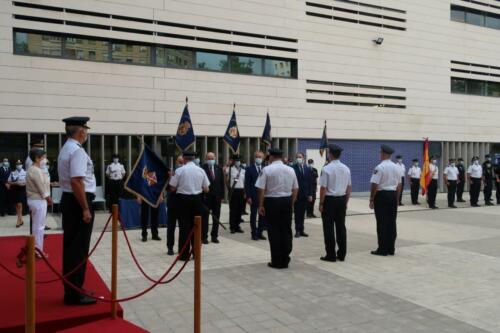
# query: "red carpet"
[51,313]
[107,326]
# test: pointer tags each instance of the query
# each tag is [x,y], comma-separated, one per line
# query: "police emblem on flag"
[183,128]
[149,176]
[233,132]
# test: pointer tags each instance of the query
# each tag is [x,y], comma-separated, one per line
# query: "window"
[475,87]
[174,58]
[212,61]
[493,21]
[246,65]
[134,54]
[474,17]
[86,49]
[457,14]
[493,89]
[278,68]
[457,86]
[38,44]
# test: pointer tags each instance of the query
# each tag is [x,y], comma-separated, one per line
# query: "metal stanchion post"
[114,260]
[30,285]
[197,274]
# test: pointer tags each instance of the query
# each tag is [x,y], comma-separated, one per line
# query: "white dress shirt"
[434,170]
[451,172]
[18,177]
[335,177]
[115,171]
[402,167]
[414,172]
[73,162]
[236,177]
[387,176]
[277,180]
[189,179]
[475,171]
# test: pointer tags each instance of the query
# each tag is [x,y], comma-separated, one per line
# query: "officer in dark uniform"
[314,180]
[461,179]
[235,181]
[77,181]
[213,199]
[149,214]
[278,188]
[172,211]
[189,182]
[252,173]
[497,182]
[4,177]
[488,180]
[303,174]
[384,195]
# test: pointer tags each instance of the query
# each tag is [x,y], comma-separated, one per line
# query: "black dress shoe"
[341,258]
[255,238]
[434,207]
[233,231]
[303,234]
[170,252]
[326,258]
[184,258]
[156,238]
[488,204]
[215,240]
[379,253]
[391,253]
[144,238]
[262,237]
[270,264]
[452,206]
[297,235]
[82,300]
[461,200]
[475,205]
[47,228]
[205,241]
[239,230]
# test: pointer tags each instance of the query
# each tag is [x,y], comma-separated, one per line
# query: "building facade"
[375,70]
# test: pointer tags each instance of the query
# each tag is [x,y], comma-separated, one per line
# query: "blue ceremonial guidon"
[266,134]
[232,135]
[148,178]
[185,134]
[324,142]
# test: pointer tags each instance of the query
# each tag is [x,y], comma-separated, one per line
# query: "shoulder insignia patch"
[375,171]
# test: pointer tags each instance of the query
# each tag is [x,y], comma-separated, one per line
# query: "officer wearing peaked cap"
[278,188]
[474,174]
[414,179]
[385,189]
[77,181]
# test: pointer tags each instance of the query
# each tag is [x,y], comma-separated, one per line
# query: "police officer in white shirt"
[189,182]
[384,195]
[433,185]
[474,174]
[414,174]
[235,181]
[115,173]
[77,181]
[399,163]
[278,188]
[336,187]
[17,186]
[451,181]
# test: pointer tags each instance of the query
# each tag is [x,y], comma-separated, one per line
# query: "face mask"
[452,164]
[197,161]
[19,167]
[460,162]
[258,161]
[488,165]
[311,164]
[43,163]
[6,164]
[476,162]
[488,158]
[433,161]
[244,165]
[415,164]
[237,163]
[211,163]
[400,160]
[115,160]
[299,160]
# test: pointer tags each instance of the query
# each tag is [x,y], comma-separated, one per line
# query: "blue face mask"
[237,163]
[6,164]
[211,163]
[197,161]
[19,167]
[258,161]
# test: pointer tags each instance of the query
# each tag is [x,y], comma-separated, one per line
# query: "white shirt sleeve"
[78,164]
[261,181]
[123,170]
[174,180]
[323,179]
[469,170]
[349,182]
[376,176]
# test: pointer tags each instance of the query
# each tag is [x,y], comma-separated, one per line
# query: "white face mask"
[211,163]
[237,163]
[452,164]
[19,167]
[476,162]
[43,163]
[197,161]
[433,161]
[311,164]
[415,164]
[400,160]
[299,160]
[258,161]
[115,160]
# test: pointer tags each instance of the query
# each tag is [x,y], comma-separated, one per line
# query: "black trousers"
[334,211]
[452,190]
[189,207]
[386,210]
[76,241]
[310,206]
[299,213]
[475,189]
[115,192]
[236,207]
[256,220]
[432,192]
[497,184]
[149,214]
[172,220]
[415,188]
[460,189]
[400,199]
[3,200]
[213,204]
[488,190]
[279,229]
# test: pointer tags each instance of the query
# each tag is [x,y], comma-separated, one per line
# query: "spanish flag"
[426,176]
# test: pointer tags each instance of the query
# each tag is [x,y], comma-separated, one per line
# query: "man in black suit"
[4,177]
[172,211]
[213,199]
[314,180]
[251,175]
[304,175]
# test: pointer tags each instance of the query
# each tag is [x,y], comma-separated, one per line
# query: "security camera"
[378,41]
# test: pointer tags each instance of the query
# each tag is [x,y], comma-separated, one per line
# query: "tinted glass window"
[174,58]
[246,65]
[85,49]
[211,61]
[38,44]
[493,89]
[458,86]
[134,54]
[457,14]
[493,21]
[475,17]
[278,68]
[475,87]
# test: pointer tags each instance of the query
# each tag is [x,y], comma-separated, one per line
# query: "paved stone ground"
[444,278]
